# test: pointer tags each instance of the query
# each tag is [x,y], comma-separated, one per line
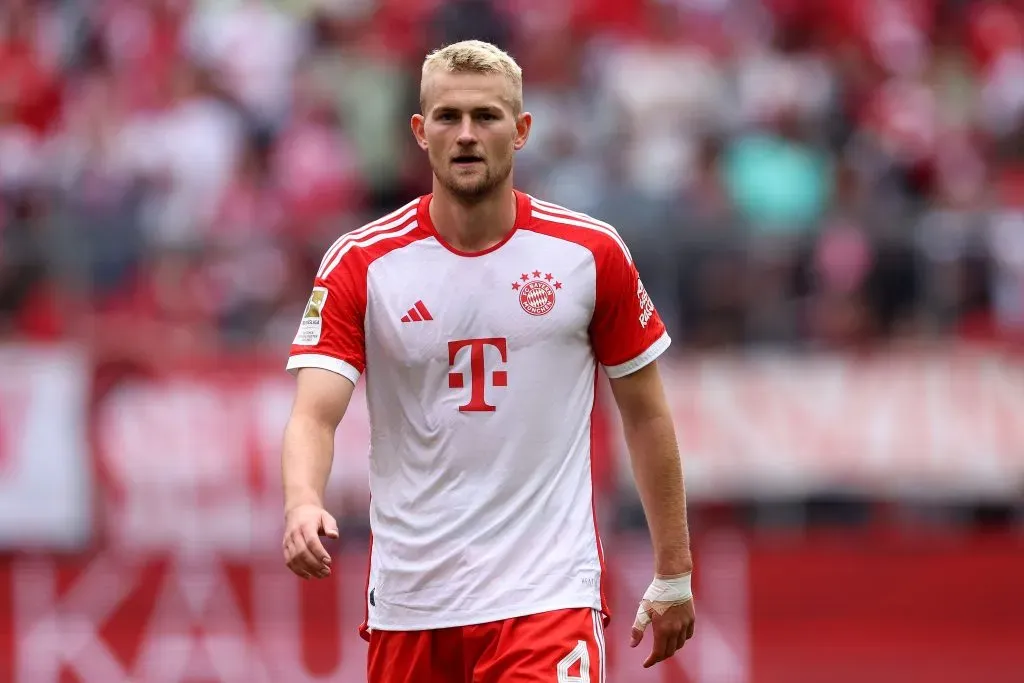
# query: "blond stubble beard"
[479,190]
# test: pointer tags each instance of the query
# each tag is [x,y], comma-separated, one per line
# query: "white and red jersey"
[480,382]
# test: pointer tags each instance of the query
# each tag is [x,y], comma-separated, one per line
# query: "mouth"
[466,160]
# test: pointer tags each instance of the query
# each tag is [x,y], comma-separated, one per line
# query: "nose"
[467,132]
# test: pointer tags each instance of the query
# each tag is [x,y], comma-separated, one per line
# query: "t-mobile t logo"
[477,370]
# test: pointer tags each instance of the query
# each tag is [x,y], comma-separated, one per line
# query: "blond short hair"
[477,57]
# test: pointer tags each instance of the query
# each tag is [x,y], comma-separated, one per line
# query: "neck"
[473,226]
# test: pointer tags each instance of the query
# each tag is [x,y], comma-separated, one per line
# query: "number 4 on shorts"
[578,654]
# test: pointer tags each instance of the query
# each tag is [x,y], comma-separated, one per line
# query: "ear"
[523,124]
[418,132]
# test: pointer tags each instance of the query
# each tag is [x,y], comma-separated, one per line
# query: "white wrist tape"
[663,594]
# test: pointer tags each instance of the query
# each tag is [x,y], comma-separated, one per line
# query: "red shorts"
[564,646]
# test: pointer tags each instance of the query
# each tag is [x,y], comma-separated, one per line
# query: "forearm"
[658,472]
[306,460]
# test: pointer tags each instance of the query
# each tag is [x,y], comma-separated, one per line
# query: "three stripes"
[417,313]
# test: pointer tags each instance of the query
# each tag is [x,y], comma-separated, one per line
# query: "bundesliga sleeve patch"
[312,319]
[646,305]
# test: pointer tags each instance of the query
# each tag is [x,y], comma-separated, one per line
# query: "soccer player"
[480,316]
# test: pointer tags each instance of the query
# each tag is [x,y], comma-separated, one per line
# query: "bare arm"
[654,453]
[321,399]
[650,436]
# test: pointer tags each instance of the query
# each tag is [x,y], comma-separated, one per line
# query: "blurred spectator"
[368,88]
[468,19]
[187,149]
[254,46]
[316,166]
[29,303]
[785,172]
[776,180]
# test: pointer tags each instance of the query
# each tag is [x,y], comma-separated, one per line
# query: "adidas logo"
[417,313]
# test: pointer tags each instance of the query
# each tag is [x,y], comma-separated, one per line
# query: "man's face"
[469,131]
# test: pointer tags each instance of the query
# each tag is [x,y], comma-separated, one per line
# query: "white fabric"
[312,360]
[479,517]
[480,411]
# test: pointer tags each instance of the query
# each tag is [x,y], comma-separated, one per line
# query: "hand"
[303,552]
[673,626]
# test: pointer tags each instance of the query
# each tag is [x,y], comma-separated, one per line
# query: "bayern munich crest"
[536,292]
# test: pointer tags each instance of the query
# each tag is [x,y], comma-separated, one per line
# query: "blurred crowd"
[802,173]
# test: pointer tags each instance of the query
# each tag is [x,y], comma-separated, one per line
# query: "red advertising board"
[841,609]
[182,580]
[852,607]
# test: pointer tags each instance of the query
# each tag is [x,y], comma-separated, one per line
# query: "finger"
[292,560]
[297,568]
[664,640]
[681,640]
[300,566]
[313,567]
[315,547]
[304,559]
[635,636]
[643,619]
[329,526]
[289,552]
[655,655]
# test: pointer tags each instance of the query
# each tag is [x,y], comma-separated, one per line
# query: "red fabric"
[26,86]
[993,30]
[40,318]
[625,323]
[615,16]
[529,648]
[339,293]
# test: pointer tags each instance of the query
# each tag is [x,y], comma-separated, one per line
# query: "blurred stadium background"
[826,201]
